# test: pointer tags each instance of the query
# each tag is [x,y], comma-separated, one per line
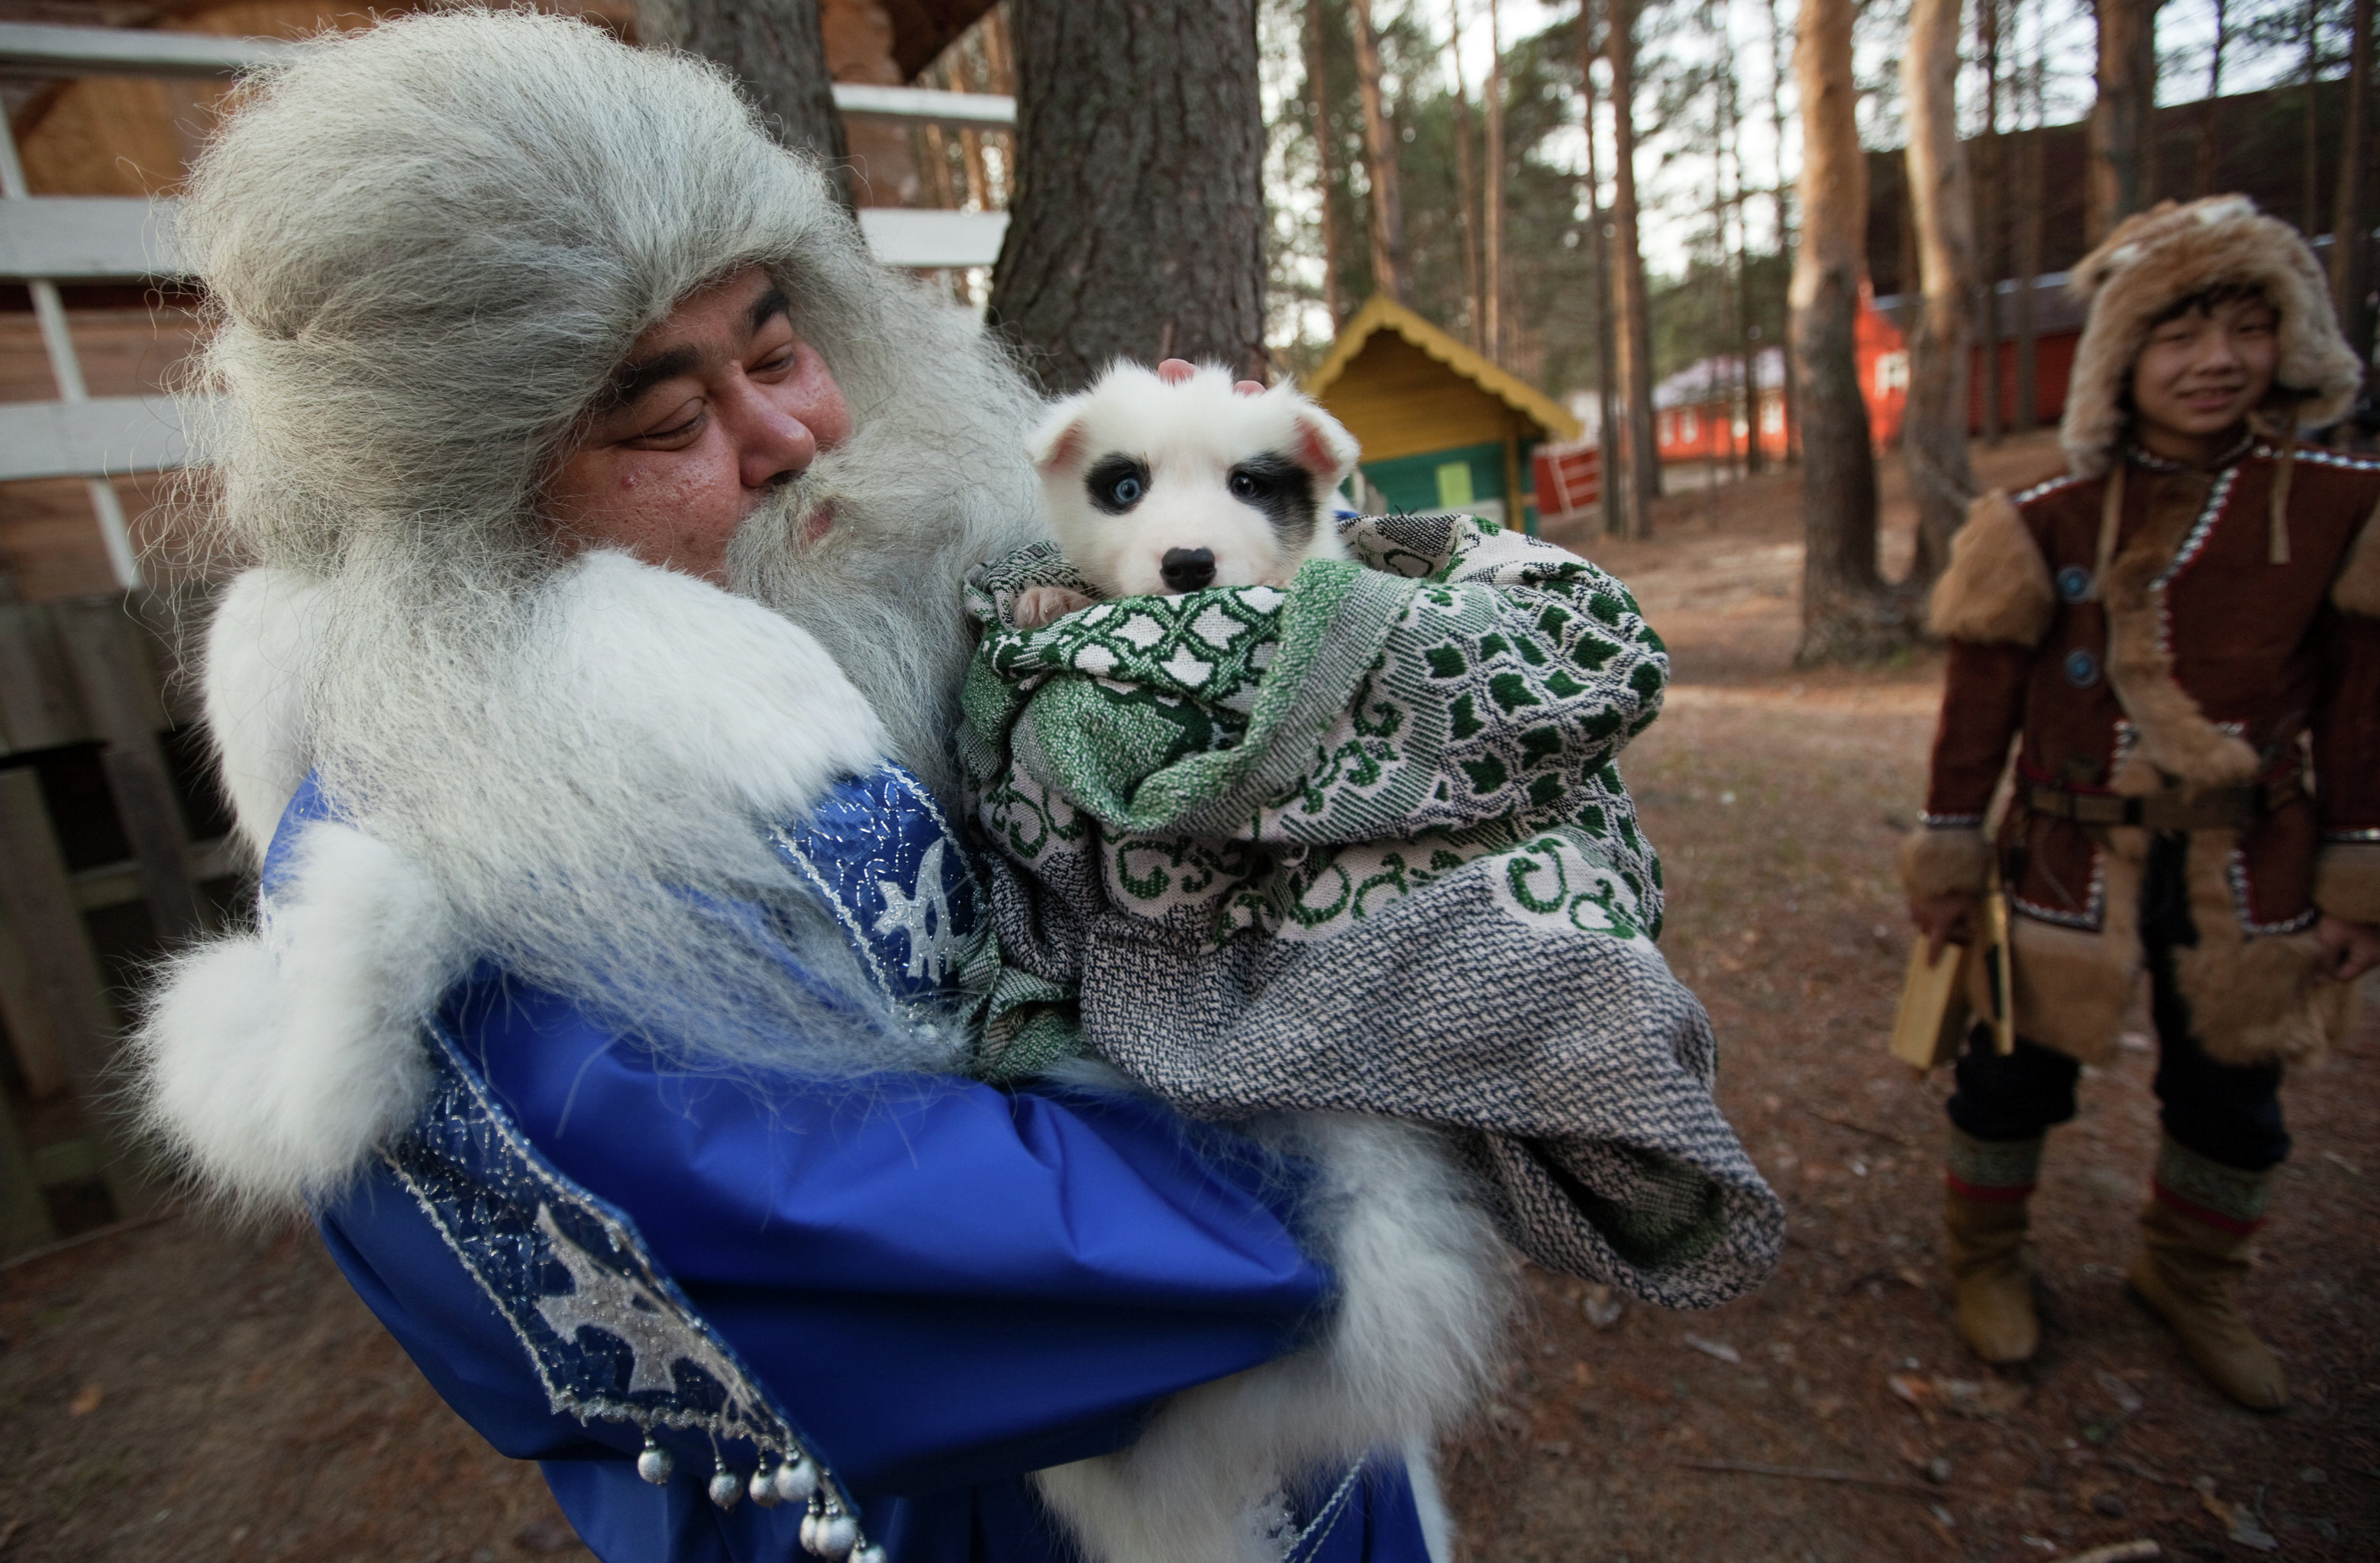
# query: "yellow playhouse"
[1441,427]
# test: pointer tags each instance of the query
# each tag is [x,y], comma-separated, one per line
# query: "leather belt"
[2224,809]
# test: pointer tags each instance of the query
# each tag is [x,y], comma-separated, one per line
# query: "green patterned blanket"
[1360,844]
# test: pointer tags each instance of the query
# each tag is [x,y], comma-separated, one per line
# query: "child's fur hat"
[2158,258]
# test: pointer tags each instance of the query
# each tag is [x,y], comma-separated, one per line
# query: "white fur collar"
[275,1059]
[751,708]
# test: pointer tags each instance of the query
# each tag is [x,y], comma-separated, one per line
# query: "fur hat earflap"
[2158,258]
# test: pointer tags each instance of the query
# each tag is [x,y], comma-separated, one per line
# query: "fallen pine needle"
[1885,1135]
[1807,1474]
[2119,1552]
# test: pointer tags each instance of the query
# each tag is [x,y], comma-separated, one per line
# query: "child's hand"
[2348,950]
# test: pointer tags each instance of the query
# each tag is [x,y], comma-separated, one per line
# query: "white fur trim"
[255,692]
[1423,1293]
[739,705]
[273,1061]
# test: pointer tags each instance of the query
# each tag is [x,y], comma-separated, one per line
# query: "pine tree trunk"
[2351,254]
[1380,163]
[1783,196]
[1846,612]
[1466,196]
[1491,178]
[1319,99]
[1640,467]
[1990,253]
[2311,199]
[1138,223]
[2121,116]
[2210,112]
[1606,379]
[777,50]
[1933,430]
[2029,197]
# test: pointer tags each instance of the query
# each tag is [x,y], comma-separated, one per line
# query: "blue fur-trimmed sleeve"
[941,1281]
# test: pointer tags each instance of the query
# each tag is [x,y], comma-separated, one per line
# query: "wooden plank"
[31,49]
[31,1038]
[87,238]
[119,689]
[40,899]
[105,436]
[38,710]
[118,884]
[926,105]
[925,240]
[24,1215]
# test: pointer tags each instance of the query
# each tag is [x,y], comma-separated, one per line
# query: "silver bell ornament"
[726,1488]
[871,1553]
[763,1488]
[811,1523]
[797,1478]
[654,1463]
[837,1534]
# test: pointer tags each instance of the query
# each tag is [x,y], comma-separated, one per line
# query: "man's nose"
[772,445]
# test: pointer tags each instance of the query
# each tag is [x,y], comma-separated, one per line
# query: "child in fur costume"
[2174,628]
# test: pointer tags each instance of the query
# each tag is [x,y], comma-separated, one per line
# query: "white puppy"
[1168,481]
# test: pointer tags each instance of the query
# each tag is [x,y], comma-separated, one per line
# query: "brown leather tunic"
[2258,645]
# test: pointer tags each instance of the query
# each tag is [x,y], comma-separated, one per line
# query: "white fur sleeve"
[273,1063]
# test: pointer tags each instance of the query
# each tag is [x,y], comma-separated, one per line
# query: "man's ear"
[1322,445]
[1061,438]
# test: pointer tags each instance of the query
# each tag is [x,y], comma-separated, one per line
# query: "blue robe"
[940,1286]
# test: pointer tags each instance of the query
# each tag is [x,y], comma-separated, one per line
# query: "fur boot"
[1984,1217]
[2195,1238]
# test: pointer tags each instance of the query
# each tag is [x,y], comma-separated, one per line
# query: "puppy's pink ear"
[1063,439]
[1322,445]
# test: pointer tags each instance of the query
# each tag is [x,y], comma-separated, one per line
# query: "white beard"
[881,587]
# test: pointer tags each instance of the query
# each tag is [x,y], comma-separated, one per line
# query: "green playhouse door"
[1454,479]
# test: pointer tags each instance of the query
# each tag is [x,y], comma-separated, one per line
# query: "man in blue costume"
[588,702]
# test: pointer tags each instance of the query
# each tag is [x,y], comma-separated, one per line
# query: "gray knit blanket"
[1360,845]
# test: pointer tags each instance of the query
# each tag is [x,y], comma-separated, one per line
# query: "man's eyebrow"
[768,306]
[635,379]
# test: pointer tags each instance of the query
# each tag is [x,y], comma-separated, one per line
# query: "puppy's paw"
[1038,606]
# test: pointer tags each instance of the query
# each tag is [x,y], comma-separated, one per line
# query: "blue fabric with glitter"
[877,849]
[939,1285]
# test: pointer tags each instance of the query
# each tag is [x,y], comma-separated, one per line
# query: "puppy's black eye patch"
[1116,483]
[1280,488]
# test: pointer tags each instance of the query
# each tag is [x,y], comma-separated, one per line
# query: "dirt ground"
[189,1392]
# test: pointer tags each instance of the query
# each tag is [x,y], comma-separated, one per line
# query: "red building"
[1699,414]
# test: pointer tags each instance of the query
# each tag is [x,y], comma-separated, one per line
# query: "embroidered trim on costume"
[2236,873]
[914,943]
[2094,910]
[2207,515]
[2365,833]
[2049,486]
[2322,456]
[2140,455]
[620,1341]
[2185,1176]
[1309,1540]
[2183,557]
[1994,1168]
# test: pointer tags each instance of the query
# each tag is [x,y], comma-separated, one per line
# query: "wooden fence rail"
[80,680]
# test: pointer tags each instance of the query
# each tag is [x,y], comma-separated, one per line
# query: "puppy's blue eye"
[1128,490]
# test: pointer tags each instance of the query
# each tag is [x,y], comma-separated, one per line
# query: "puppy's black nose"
[1187,569]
